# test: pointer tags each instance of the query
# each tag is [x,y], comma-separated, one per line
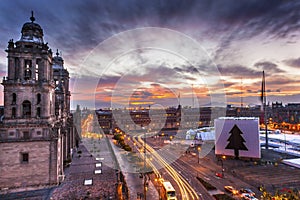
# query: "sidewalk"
[83,166]
[135,184]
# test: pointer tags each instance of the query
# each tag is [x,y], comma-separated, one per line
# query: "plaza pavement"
[83,166]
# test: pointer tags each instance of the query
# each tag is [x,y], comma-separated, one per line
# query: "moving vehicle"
[247,190]
[247,196]
[168,192]
[231,189]
[219,175]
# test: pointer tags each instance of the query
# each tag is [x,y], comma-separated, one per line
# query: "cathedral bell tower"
[31,144]
[29,86]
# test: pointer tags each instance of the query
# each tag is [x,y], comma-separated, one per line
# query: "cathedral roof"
[32,32]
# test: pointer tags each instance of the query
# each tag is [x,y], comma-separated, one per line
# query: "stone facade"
[36,132]
[35,171]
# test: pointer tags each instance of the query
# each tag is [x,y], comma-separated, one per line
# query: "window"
[26,135]
[26,109]
[14,98]
[38,98]
[28,46]
[38,112]
[27,71]
[13,112]
[37,69]
[24,157]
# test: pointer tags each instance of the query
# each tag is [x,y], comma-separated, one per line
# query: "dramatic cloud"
[268,66]
[239,71]
[293,62]
[242,38]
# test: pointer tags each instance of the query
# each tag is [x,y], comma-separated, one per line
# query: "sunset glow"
[106,50]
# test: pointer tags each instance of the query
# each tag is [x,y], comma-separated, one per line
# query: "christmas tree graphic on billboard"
[236,141]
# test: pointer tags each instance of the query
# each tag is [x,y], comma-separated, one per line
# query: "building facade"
[279,116]
[137,119]
[36,131]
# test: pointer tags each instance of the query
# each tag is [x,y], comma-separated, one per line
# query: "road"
[189,168]
[186,191]
[187,172]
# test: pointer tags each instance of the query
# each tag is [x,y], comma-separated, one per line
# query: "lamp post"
[223,170]
[145,181]
[284,143]
[199,149]
[157,183]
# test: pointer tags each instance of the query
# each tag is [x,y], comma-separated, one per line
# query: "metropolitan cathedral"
[36,131]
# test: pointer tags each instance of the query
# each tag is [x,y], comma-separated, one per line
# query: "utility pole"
[241,93]
[193,103]
[264,99]
[145,178]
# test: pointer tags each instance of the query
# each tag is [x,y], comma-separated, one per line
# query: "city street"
[237,173]
[150,100]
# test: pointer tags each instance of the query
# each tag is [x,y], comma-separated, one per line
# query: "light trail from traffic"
[173,173]
[186,190]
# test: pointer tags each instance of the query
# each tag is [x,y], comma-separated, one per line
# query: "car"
[247,190]
[247,196]
[219,175]
[231,189]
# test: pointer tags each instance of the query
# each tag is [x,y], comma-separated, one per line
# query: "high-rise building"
[36,132]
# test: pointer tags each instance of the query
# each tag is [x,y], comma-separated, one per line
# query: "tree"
[236,141]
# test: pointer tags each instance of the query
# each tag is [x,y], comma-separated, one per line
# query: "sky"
[158,53]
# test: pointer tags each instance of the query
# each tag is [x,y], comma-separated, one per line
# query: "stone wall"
[16,173]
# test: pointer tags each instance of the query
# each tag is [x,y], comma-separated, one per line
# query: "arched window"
[37,69]
[14,98]
[13,112]
[38,112]
[38,98]
[27,71]
[26,109]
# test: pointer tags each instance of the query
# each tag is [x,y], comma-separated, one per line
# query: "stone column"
[21,72]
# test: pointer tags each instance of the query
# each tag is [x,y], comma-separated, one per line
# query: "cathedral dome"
[32,32]
[58,62]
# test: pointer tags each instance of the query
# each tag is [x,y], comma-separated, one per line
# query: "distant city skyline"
[239,39]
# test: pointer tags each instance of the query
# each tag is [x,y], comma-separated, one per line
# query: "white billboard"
[237,137]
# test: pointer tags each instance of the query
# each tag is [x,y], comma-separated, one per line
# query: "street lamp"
[199,149]
[284,143]
[145,178]
[223,157]
[157,183]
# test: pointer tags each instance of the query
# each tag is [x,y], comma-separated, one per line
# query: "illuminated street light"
[145,179]
[199,149]
[223,170]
